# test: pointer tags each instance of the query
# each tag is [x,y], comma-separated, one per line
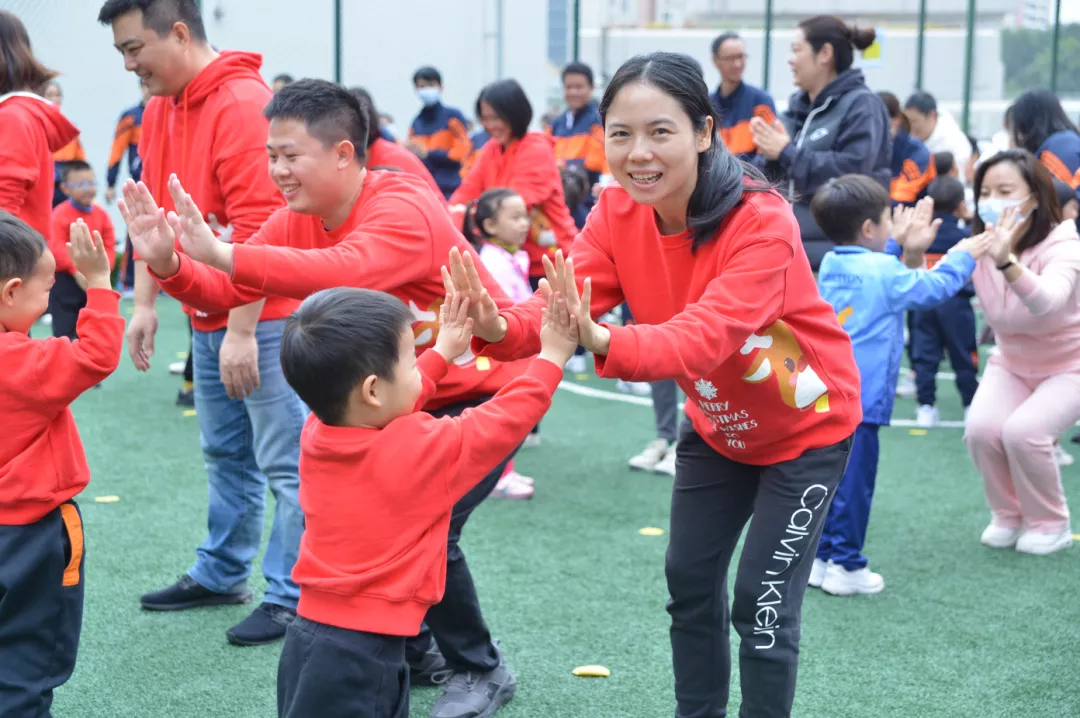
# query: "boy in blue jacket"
[870,289]
[950,326]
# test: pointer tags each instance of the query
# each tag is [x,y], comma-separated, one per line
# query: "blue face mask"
[429,95]
[990,209]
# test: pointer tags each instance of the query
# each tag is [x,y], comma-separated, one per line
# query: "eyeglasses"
[734,58]
[91,184]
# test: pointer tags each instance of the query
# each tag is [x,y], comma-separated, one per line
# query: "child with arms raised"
[350,355]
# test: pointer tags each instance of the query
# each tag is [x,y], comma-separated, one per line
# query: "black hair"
[1047,213]
[722,180]
[481,209]
[892,106]
[21,246]
[1065,193]
[335,340]
[947,193]
[843,204]
[578,68]
[943,163]
[386,168]
[427,73]
[330,113]
[368,104]
[721,39]
[284,77]
[922,101]
[575,184]
[975,151]
[1035,115]
[822,30]
[510,103]
[158,15]
[74,166]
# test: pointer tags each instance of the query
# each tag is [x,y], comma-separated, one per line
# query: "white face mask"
[991,208]
[429,95]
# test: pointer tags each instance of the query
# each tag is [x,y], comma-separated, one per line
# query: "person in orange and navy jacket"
[126,142]
[438,135]
[1040,126]
[913,167]
[579,133]
[71,152]
[478,138]
[735,101]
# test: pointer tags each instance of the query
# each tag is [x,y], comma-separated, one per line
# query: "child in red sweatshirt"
[68,295]
[42,465]
[350,355]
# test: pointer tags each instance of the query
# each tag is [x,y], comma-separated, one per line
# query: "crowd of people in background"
[729,245]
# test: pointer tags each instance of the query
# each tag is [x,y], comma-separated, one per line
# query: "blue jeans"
[246,444]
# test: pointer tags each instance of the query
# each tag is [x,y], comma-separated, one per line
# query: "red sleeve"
[65,368]
[391,247]
[748,295]
[108,235]
[433,368]
[204,288]
[535,175]
[58,238]
[250,195]
[18,165]
[472,186]
[592,258]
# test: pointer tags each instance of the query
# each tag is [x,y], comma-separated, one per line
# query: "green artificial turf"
[566,579]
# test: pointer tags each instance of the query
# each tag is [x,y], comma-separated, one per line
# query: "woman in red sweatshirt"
[31,129]
[524,162]
[710,261]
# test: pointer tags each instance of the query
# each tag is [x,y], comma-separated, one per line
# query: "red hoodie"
[396,239]
[213,137]
[373,554]
[383,153]
[528,167]
[42,463]
[31,129]
[767,370]
[64,215]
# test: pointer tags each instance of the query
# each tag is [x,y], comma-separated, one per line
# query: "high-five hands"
[560,281]
[198,240]
[463,279]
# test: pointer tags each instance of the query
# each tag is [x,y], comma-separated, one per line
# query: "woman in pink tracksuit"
[1030,392]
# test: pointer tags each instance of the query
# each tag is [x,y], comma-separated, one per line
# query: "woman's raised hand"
[462,278]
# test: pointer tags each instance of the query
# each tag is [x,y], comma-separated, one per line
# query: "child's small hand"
[89,256]
[80,279]
[901,223]
[923,228]
[455,327]
[558,331]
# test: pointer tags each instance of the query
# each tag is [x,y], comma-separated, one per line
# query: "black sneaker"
[266,624]
[431,670]
[476,695]
[185,398]
[189,593]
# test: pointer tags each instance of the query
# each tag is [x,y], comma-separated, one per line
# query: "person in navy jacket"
[579,134]
[1040,126]
[735,101]
[438,135]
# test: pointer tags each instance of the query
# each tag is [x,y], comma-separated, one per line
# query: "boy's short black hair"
[578,68]
[284,77]
[922,101]
[427,73]
[21,246]
[75,166]
[947,193]
[842,204]
[329,112]
[335,340]
[158,15]
[943,163]
[1065,193]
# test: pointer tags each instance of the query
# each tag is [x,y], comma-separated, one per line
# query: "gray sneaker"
[476,695]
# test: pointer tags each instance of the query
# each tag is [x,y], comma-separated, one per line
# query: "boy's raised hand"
[196,237]
[558,331]
[89,256]
[923,228]
[455,327]
[148,230]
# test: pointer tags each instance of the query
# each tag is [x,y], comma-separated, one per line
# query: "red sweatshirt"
[373,554]
[396,239]
[64,215]
[31,129]
[528,167]
[42,463]
[213,137]
[383,153]
[767,370]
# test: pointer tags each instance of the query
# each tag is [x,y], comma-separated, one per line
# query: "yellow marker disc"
[917,432]
[1076,537]
[592,672]
[581,377]
[189,412]
[651,531]
[181,355]
[106,499]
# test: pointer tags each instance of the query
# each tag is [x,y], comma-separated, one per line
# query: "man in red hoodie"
[346,226]
[204,124]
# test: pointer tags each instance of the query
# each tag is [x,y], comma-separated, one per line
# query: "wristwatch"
[1009,262]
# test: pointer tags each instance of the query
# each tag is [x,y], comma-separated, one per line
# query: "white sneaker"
[177,367]
[926,416]
[905,386]
[817,573]
[1041,544]
[651,456]
[640,388]
[531,441]
[666,465]
[46,319]
[996,536]
[840,582]
[1062,457]
[577,364]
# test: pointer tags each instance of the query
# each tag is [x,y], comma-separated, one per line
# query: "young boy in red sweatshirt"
[42,464]
[350,355]
[68,295]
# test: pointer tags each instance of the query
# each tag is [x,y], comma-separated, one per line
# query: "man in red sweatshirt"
[351,356]
[348,226]
[42,464]
[204,124]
